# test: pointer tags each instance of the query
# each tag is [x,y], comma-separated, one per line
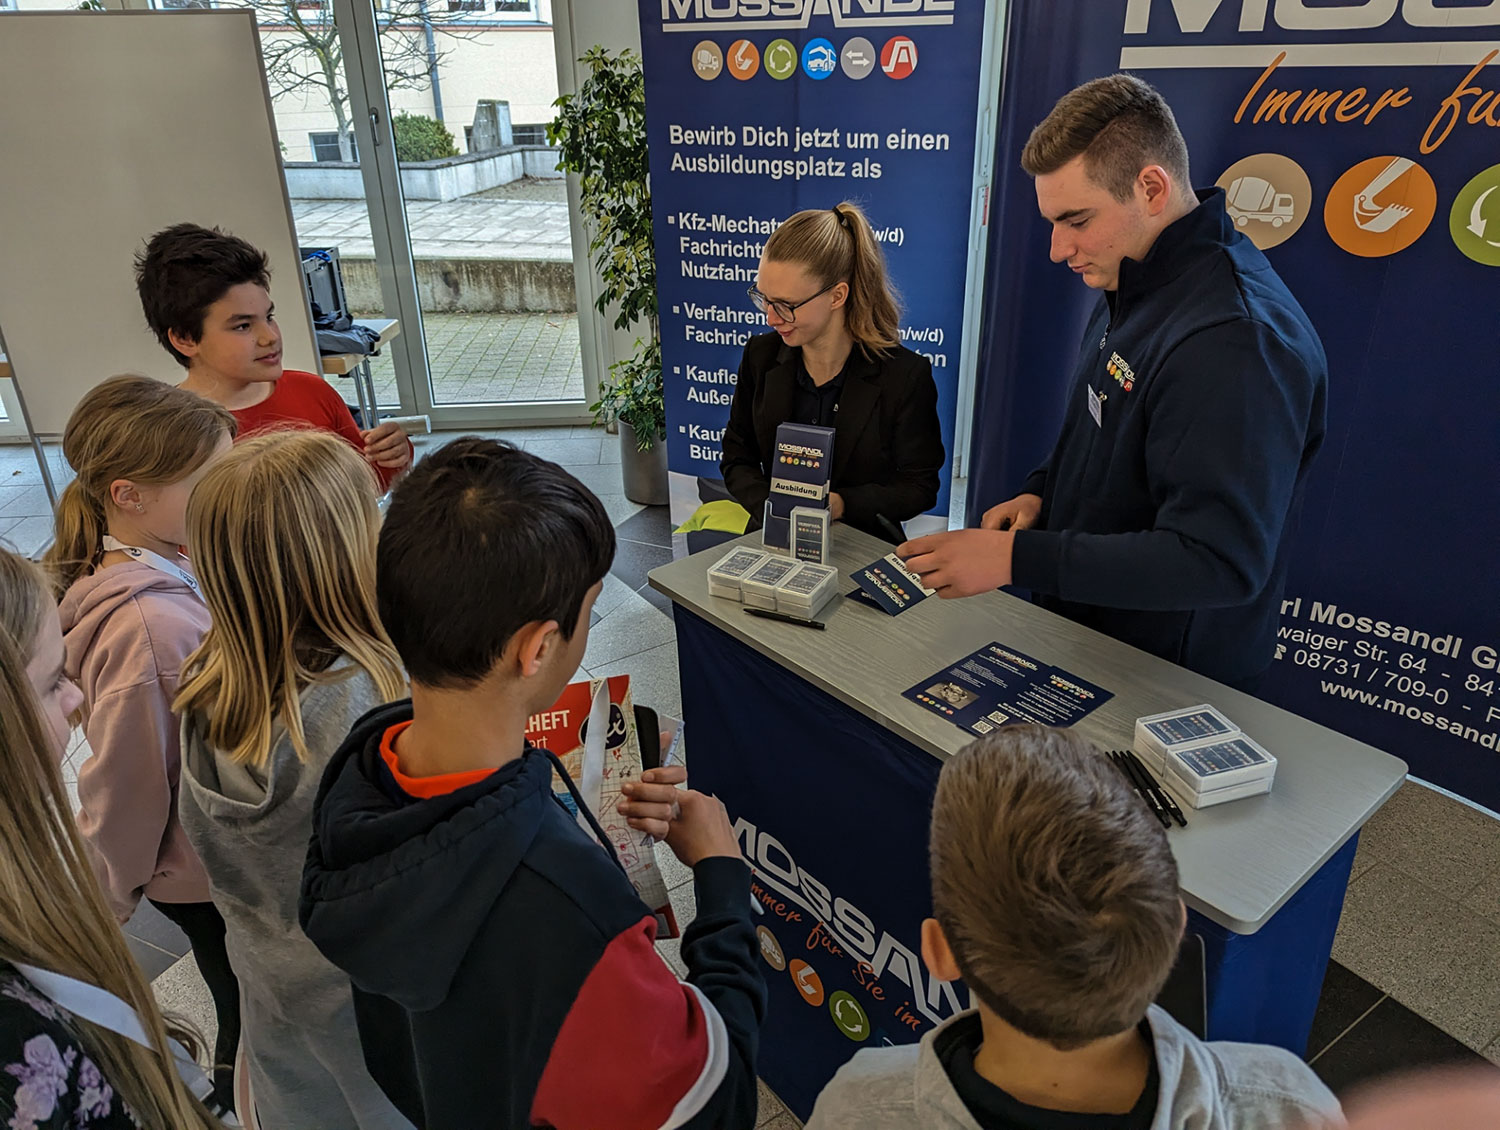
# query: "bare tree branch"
[303,53]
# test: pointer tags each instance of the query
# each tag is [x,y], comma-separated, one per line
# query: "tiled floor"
[471,227]
[493,359]
[1416,977]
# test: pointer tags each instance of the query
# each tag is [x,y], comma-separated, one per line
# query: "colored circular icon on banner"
[708,60]
[1268,197]
[1475,219]
[819,59]
[898,58]
[780,59]
[1380,207]
[848,1016]
[809,984]
[770,949]
[743,58]
[857,59]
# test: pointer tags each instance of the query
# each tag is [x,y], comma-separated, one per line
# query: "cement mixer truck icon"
[1254,198]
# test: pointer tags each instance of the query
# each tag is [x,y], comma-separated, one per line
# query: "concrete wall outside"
[447,179]
[470,286]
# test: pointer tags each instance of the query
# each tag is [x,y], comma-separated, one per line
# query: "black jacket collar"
[1181,244]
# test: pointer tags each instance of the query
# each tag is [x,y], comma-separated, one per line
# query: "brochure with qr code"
[999,686]
[592,729]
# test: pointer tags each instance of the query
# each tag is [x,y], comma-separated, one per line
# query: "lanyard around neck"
[101,1007]
[149,557]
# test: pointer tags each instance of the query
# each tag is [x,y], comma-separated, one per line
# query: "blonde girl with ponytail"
[59,943]
[131,615]
[282,532]
[834,358]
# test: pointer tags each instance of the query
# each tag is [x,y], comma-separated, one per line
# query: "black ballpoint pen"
[1161,790]
[1122,759]
[1119,763]
[767,614]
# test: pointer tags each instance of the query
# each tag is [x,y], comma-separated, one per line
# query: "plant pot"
[645,472]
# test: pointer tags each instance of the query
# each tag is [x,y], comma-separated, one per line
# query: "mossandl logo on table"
[780,15]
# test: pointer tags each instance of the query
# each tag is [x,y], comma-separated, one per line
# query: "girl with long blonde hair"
[59,942]
[282,532]
[131,615]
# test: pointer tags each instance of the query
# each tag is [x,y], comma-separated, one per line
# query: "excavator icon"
[1372,217]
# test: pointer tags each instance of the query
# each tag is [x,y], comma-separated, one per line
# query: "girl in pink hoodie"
[131,615]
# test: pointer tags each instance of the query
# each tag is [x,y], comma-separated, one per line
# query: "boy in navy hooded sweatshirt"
[503,967]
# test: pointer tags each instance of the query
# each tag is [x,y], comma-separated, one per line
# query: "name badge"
[1096,407]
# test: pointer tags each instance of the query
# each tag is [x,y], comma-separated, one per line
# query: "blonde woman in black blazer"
[834,357]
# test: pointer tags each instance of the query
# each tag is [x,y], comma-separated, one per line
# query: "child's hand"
[701,830]
[387,446]
[650,804]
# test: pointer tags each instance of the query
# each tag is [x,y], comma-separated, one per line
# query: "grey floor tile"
[1389,1040]
[1438,841]
[600,478]
[609,451]
[635,559]
[24,501]
[1485,898]
[653,675]
[673,871]
[149,925]
[633,627]
[30,536]
[1427,951]
[180,992]
[652,526]
[1364,859]
[152,960]
[617,506]
[684,904]
[786,1121]
[611,594]
[769,1106]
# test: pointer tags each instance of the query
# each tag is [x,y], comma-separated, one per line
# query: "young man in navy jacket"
[1198,404]
[503,967]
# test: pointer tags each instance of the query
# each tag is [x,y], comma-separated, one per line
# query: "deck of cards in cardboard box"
[1202,756]
[771,582]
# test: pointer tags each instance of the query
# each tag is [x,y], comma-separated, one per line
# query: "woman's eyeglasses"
[786,311]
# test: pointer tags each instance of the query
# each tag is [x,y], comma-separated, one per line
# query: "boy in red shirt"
[207,298]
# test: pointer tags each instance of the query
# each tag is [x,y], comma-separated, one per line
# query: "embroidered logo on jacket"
[1121,372]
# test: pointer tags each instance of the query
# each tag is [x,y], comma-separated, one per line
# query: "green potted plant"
[600,134]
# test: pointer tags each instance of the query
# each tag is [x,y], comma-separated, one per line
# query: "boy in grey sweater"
[1055,899]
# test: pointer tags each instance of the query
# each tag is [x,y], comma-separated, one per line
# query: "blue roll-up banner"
[1358,144]
[756,109]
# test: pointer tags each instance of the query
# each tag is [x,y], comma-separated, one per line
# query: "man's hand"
[387,446]
[701,830]
[960,562]
[835,506]
[1020,513]
[651,804]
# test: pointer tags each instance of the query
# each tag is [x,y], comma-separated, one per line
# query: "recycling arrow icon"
[1475,220]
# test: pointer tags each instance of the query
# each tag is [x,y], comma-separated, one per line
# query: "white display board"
[116,125]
